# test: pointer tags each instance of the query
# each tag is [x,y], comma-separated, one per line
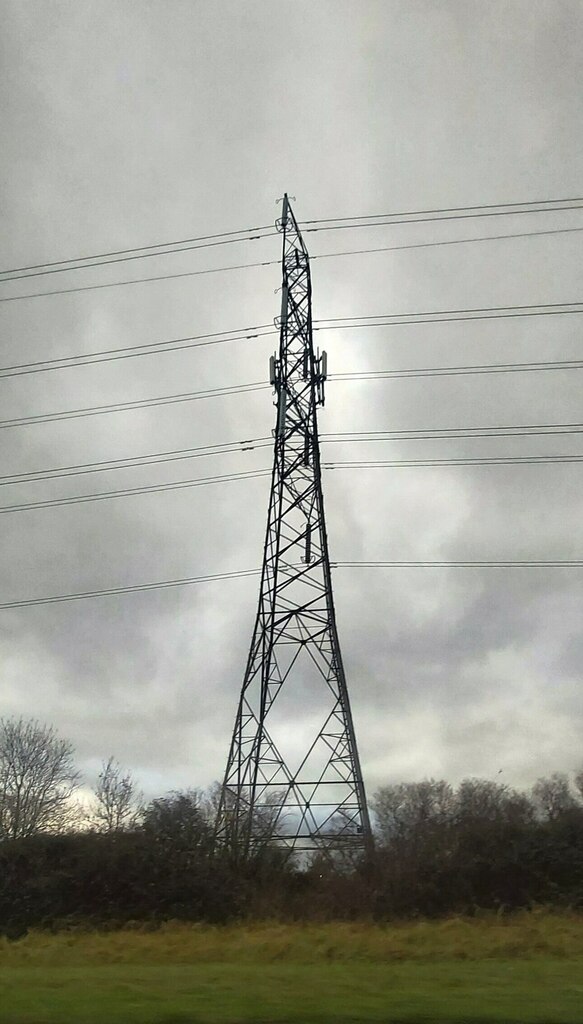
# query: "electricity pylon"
[293,773]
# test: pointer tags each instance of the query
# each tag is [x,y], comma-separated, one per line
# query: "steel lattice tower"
[296,774]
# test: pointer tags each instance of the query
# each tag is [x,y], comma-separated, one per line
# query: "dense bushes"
[437,852]
[482,846]
[117,877]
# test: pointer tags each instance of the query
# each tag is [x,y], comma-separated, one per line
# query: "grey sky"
[128,123]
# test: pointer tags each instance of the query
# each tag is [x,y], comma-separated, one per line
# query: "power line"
[439,318]
[324,324]
[189,581]
[128,406]
[249,234]
[81,469]
[54,269]
[518,460]
[555,563]
[130,351]
[177,345]
[448,312]
[348,437]
[139,256]
[100,410]
[265,330]
[456,433]
[389,219]
[267,263]
[435,220]
[138,280]
[449,371]
[550,203]
[453,241]
[126,492]
[136,588]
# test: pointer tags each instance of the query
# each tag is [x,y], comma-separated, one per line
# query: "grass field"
[526,968]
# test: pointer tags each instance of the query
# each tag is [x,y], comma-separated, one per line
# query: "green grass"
[489,991]
[526,969]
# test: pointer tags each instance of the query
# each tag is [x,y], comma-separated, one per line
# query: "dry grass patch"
[539,934]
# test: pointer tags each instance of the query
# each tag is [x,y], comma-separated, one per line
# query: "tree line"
[439,849]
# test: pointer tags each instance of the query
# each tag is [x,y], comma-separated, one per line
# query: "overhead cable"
[398,319]
[447,312]
[186,397]
[135,589]
[434,216]
[127,492]
[251,234]
[266,330]
[138,280]
[452,241]
[81,469]
[146,403]
[456,433]
[177,345]
[573,563]
[138,256]
[267,263]
[544,203]
[145,349]
[453,371]
[56,269]
[511,563]
[248,234]
[252,444]
[511,460]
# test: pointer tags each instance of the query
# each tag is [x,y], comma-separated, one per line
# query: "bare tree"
[38,778]
[553,796]
[118,804]
[579,783]
[487,801]
[408,810]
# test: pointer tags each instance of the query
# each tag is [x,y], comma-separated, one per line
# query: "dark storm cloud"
[125,126]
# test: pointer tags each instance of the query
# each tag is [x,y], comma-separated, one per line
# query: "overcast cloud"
[128,123]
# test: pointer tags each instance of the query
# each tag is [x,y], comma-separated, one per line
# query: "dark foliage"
[485,846]
[437,852]
[114,877]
